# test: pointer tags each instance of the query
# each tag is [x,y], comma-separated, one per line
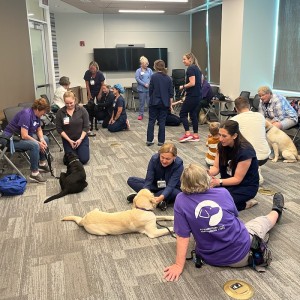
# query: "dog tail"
[59,195]
[76,219]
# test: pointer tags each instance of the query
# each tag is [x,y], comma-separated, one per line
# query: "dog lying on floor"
[281,144]
[140,218]
[74,180]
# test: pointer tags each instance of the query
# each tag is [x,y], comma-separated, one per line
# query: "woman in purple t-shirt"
[222,239]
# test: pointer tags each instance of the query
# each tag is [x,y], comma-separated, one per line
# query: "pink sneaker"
[195,139]
[185,138]
[140,118]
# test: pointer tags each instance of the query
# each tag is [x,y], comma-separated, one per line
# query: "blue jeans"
[34,151]
[83,151]
[189,106]
[159,113]
[137,184]
[144,98]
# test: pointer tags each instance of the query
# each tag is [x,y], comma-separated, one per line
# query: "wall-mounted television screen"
[127,59]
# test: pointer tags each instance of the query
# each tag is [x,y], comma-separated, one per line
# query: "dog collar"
[141,208]
[73,161]
[269,129]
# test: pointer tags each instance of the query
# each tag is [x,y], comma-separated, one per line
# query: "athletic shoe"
[194,139]
[149,143]
[37,178]
[162,205]
[44,169]
[140,118]
[159,144]
[130,197]
[278,204]
[185,138]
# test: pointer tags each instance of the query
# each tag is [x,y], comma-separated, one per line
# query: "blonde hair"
[94,64]
[193,59]
[194,179]
[144,60]
[214,128]
[70,94]
[264,90]
[168,148]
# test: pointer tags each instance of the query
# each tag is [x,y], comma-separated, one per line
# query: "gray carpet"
[44,258]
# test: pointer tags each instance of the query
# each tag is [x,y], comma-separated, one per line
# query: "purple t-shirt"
[221,238]
[23,119]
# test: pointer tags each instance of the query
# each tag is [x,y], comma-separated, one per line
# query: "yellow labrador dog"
[140,218]
[281,144]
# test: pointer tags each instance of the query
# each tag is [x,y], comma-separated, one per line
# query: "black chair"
[178,78]
[254,103]
[210,110]
[134,96]
[231,113]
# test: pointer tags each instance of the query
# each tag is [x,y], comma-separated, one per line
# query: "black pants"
[189,106]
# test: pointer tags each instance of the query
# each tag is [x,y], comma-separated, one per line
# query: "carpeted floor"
[45,258]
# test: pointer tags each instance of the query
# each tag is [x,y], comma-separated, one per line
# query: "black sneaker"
[149,143]
[37,178]
[44,169]
[91,134]
[130,197]
[162,205]
[278,204]
[159,144]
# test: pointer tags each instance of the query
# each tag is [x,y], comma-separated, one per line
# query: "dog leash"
[171,233]
[48,157]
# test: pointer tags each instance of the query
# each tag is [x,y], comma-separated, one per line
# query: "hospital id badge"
[92,82]
[66,120]
[161,184]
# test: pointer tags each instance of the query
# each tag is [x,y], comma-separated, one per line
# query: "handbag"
[12,185]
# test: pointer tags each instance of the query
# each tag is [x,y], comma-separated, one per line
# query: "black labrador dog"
[74,180]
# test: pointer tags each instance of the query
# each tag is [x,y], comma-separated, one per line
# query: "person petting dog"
[163,176]
[94,80]
[252,125]
[104,106]
[276,109]
[118,120]
[222,239]
[27,125]
[72,123]
[237,164]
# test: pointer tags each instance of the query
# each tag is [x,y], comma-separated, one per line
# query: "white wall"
[105,31]
[248,45]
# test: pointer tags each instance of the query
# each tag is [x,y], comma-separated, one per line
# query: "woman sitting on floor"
[222,239]
[72,123]
[237,164]
[118,120]
[163,176]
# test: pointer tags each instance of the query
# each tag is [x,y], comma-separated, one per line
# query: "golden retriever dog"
[281,144]
[140,218]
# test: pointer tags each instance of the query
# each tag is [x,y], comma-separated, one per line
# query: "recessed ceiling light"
[135,11]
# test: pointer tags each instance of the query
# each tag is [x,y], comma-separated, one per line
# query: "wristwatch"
[221,182]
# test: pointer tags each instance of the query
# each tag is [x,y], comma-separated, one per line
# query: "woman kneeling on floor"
[163,176]
[222,239]
[237,164]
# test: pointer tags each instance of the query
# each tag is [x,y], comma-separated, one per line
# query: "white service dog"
[281,144]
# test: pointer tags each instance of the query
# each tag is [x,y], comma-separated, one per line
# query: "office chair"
[134,95]
[178,77]
[245,94]
[254,103]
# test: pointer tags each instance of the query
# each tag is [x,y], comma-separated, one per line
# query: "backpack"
[11,185]
[260,255]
